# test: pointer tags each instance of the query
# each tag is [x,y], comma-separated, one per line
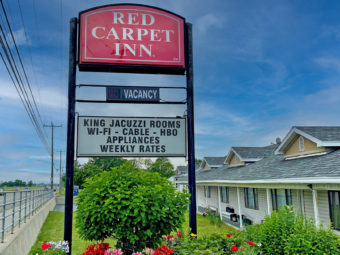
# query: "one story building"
[303,170]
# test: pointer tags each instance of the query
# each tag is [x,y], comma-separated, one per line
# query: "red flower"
[175,238]
[163,250]
[242,248]
[45,246]
[234,248]
[228,235]
[250,243]
[164,237]
[169,237]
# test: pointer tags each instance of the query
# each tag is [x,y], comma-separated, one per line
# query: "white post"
[206,197]
[196,199]
[302,201]
[316,207]
[219,201]
[268,201]
[239,206]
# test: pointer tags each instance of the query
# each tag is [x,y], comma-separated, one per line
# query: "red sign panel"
[131,35]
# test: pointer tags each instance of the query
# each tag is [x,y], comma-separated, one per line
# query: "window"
[302,143]
[281,197]
[334,203]
[207,191]
[251,198]
[224,194]
[235,159]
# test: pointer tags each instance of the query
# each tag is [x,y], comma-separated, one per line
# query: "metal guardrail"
[29,202]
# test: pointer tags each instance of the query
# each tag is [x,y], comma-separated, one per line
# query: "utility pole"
[52,126]
[60,172]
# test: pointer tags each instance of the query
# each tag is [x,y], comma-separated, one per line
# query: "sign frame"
[134,117]
[129,68]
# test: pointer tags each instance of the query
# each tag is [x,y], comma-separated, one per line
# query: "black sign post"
[70,133]
[154,100]
[191,133]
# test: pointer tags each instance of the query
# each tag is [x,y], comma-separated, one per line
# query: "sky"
[260,67]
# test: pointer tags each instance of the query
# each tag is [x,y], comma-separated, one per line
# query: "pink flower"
[137,253]
[147,251]
[242,248]
[114,252]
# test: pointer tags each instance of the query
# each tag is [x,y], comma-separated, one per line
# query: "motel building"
[303,170]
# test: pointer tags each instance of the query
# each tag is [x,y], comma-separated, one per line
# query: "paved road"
[9,199]
[61,208]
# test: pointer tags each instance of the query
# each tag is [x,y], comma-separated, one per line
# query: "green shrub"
[288,232]
[215,244]
[214,217]
[130,205]
[309,239]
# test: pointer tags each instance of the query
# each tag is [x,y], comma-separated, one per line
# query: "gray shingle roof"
[254,152]
[184,169]
[323,133]
[214,161]
[276,167]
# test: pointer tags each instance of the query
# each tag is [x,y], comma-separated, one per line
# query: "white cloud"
[20,38]
[330,62]
[209,20]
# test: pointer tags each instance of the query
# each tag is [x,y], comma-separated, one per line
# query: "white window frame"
[301,143]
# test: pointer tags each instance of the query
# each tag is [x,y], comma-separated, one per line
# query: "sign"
[132,94]
[131,34]
[131,137]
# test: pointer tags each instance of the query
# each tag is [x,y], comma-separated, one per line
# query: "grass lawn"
[21,188]
[53,230]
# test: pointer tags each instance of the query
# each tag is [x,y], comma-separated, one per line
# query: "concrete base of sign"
[21,241]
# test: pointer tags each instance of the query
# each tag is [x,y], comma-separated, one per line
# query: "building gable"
[301,146]
[236,161]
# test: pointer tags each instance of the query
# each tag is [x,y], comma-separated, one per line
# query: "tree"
[134,207]
[107,163]
[198,162]
[30,183]
[162,166]
[93,167]
[87,170]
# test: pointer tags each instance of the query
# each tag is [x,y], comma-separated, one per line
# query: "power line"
[61,58]
[24,97]
[29,50]
[42,59]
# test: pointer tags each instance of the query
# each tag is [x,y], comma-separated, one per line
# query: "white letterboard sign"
[131,137]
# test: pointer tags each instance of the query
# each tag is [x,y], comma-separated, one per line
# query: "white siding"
[200,199]
[323,207]
[213,200]
[232,200]
[255,215]
[308,199]
[295,199]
